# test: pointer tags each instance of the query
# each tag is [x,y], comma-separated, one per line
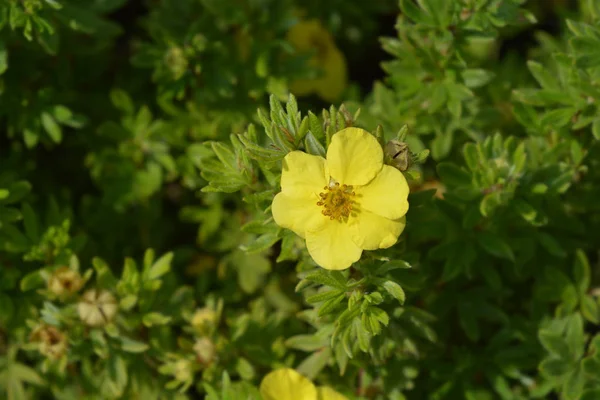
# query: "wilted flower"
[311,36]
[344,204]
[97,307]
[52,342]
[205,351]
[287,384]
[64,282]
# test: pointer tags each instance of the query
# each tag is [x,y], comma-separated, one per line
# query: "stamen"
[337,201]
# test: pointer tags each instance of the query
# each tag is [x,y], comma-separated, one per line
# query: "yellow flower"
[287,384]
[311,36]
[203,320]
[64,282]
[344,204]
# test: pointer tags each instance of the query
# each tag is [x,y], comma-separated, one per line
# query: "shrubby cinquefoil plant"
[229,200]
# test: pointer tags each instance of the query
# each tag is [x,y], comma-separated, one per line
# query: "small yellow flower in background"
[97,307]
[204,320]
[310,36]
[51,342]
[344,204]
[64,282]
[287,384]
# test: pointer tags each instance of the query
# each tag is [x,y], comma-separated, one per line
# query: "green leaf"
[590,394]
[573,386]
[332,279]
[596,128]
[494,245]
[590,309]
[51,127]
[581,271]
[588,50]
[441,145]
[31,281]
[262,243]
[475,78]
[30,222]
[392,265]
[554,344]
[133,346]
[331,305]
[26,374]
[395,290]
[544,78]
[554,367]
[160,267]
[323,296]
[3,59]
[558,118]
[415,13]
[453,175]
[17,191]
[307,342]
[155,318]
[551,245]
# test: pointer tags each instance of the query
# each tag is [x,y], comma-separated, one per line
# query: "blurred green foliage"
[138,254]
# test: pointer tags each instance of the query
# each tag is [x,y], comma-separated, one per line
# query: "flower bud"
[97,307]
[397,154]
[51,342]
[203,320]
[64,282]
[205,351]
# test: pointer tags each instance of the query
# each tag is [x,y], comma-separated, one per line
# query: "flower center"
[337,201]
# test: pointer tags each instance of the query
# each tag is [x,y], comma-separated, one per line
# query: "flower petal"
[386,195]
[371,231]
[303,174]
[287,384]
[335,75]
[297,213]
[354,156]
[331,246]
[327,393]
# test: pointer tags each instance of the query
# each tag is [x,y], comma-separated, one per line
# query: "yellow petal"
[354,156]
[386,195]
[327,393]
[297,213]
[331,246]
[371,231]
[287,384]
[303,174]
[331,85]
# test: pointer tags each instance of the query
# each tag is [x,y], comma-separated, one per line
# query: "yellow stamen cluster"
[337,201]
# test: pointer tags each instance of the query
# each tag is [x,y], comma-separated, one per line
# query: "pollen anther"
[337,201]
